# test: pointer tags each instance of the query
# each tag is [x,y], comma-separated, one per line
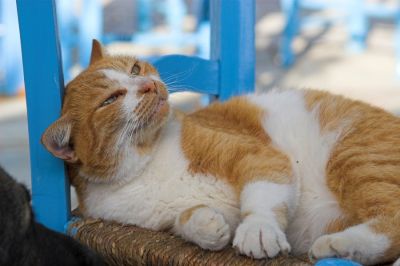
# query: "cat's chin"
[157,118]
[160,111]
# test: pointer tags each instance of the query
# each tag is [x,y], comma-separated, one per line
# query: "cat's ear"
[97,52]
[57,138]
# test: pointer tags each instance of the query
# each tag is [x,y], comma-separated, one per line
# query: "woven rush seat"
[131,245]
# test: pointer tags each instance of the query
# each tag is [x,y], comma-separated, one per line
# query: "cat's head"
[114,109]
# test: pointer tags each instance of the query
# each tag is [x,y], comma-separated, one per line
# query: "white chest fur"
[162,191]
[296,131]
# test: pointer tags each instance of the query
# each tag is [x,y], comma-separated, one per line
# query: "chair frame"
[229,72]
[357,13]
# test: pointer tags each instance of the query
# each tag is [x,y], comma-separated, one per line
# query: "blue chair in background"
[75,29]
[174,12]
[10,54]
[356,13]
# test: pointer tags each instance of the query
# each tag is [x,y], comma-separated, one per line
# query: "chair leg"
[357,26]
[290,10]
[68,38]
[232,45]
[44,90]
[144,8]
[90,27]
[174,17]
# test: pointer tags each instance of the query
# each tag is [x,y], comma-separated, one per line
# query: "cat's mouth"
[151,112]
[160,106]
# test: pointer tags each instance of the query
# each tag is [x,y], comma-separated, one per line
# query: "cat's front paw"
[259,238]
[207,228]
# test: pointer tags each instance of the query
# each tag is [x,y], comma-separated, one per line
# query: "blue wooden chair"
[357,14]
[230,72]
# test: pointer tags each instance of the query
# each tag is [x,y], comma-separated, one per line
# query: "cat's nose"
[147,87]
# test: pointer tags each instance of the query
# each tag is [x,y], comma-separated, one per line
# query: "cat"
[26,242]
[288,171]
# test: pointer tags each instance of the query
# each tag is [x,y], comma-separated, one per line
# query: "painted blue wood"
[185,73]
[358,25]
[10,53]
[232,45]
[357,12]
[318,5]
[175,15]
[69,39]
[90,27]
[337,262]
[381,11]
[290,9]
[44,90]
[144,8]
[174,12]
[202,11]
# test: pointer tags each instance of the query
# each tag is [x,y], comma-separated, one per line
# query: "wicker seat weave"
[131,245]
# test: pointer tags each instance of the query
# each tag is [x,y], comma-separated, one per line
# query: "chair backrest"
[229,72]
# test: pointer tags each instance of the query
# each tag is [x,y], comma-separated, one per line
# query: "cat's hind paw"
[259,238]
[357,243]
[329,246]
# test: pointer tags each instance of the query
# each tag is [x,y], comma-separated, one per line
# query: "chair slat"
[44,90]
[187,73]
[232,45]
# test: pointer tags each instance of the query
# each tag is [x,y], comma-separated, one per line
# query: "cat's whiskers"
[126,133]
[181,88]
[180,75]
[177,79]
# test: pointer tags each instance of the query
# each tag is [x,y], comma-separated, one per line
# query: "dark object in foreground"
[26,242]
[131,245]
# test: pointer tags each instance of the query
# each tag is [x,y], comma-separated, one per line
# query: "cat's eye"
[135,69]
[112,98]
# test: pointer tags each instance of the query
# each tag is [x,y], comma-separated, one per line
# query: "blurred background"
[348,47]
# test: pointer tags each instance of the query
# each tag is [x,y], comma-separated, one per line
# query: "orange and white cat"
[285,171]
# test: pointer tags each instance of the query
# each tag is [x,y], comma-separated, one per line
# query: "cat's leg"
[266,198]
[376,241]
[264,207]
[374,205]
[204,226]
